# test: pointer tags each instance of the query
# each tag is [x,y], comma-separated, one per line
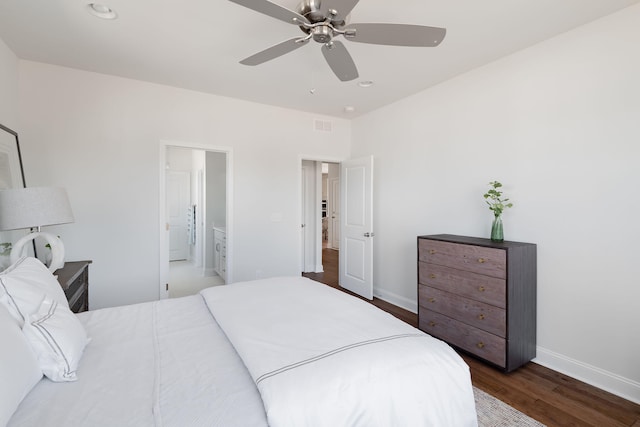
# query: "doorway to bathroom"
[194,212]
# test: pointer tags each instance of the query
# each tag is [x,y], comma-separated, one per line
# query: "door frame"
[163,240]
[318,233]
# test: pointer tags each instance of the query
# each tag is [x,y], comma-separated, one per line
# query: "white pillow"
[58,339]
[19,368]
[25,285]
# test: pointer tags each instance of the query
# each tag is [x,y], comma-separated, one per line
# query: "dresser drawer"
[478,259]
[481,343]
[490,290]
[477,314]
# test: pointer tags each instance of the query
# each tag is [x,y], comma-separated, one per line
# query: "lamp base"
[57,248]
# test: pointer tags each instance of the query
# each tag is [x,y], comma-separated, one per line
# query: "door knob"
[369,234]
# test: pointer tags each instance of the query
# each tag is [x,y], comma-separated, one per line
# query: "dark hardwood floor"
[545,395]
[330,277]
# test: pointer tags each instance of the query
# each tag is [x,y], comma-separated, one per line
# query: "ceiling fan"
[323,20]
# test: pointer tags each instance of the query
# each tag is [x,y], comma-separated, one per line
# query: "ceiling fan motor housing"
[322,34]
[311,9]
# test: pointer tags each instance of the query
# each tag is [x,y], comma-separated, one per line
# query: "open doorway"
[193,213]
[349,223]
[320,220]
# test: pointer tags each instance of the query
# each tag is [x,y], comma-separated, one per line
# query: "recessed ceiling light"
[101,11]
[349,109]
[365,83]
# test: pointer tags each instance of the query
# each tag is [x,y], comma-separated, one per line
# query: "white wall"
[8,118]
[180,159]
[312,218]
[216,175]
[8,88]
[99,137]
[216,188]
[559,125]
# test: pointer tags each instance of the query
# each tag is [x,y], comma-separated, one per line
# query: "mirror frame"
[13,153]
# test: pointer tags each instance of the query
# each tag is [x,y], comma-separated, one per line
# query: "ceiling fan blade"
[273,10]
[340,61]
[396,34]
[343,7]
[275,51]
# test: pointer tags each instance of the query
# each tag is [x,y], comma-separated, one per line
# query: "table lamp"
[35,207]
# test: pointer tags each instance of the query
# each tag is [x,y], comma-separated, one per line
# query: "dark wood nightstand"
[74,279]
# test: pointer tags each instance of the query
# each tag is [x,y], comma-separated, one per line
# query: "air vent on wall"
[322,125]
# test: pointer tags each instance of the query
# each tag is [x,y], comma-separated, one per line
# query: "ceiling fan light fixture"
[101,11]
[365,83]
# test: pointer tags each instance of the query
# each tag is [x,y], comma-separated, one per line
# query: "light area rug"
[493,412]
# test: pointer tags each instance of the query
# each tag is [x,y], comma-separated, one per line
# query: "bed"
[275,352]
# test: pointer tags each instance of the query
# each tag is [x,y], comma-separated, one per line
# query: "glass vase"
[497,235]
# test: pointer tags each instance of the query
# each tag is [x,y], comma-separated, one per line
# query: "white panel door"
[356,237]
[178,197]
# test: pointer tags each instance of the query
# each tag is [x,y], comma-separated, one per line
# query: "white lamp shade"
[34,207]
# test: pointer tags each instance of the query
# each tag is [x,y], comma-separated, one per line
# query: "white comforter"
[318,357]
[164,363]
[322,358]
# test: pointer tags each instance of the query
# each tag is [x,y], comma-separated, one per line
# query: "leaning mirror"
[11,176]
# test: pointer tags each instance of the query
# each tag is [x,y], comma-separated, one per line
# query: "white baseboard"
[608,381]
[597,377]
[311,268]
[396,300]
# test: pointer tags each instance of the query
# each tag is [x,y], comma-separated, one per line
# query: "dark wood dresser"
[479,296]
[74,279]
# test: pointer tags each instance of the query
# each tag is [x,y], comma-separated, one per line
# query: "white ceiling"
[196,44]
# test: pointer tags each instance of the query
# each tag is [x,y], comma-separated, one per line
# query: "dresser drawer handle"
[481,316]
[432,251]
[480,345]
[481,288]
[432,276]
[482,260]
[431,299]
[432,323]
